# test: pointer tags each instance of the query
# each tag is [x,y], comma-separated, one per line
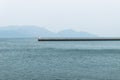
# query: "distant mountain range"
[32,31]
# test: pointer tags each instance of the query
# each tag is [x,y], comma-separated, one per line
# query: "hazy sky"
[101,17]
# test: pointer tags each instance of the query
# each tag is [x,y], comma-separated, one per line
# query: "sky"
[101,17]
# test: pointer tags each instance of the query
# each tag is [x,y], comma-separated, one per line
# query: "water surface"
[28,59]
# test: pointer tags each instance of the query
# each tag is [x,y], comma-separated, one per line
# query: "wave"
[80,50]
[59,50]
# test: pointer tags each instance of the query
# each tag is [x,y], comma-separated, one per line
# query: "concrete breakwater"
[79,39]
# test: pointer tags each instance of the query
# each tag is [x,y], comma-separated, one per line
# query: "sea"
[29,59]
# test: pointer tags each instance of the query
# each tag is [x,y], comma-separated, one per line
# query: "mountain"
[72,33]
[33,31]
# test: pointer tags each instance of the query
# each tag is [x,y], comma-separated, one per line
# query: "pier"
[79,39]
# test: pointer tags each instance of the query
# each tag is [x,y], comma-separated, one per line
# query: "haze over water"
[28,59]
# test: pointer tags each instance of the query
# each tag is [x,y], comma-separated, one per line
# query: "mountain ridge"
[33,31]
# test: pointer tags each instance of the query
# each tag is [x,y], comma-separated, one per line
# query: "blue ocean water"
[28,59]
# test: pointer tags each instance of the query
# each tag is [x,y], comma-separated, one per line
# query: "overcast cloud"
[101,17]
